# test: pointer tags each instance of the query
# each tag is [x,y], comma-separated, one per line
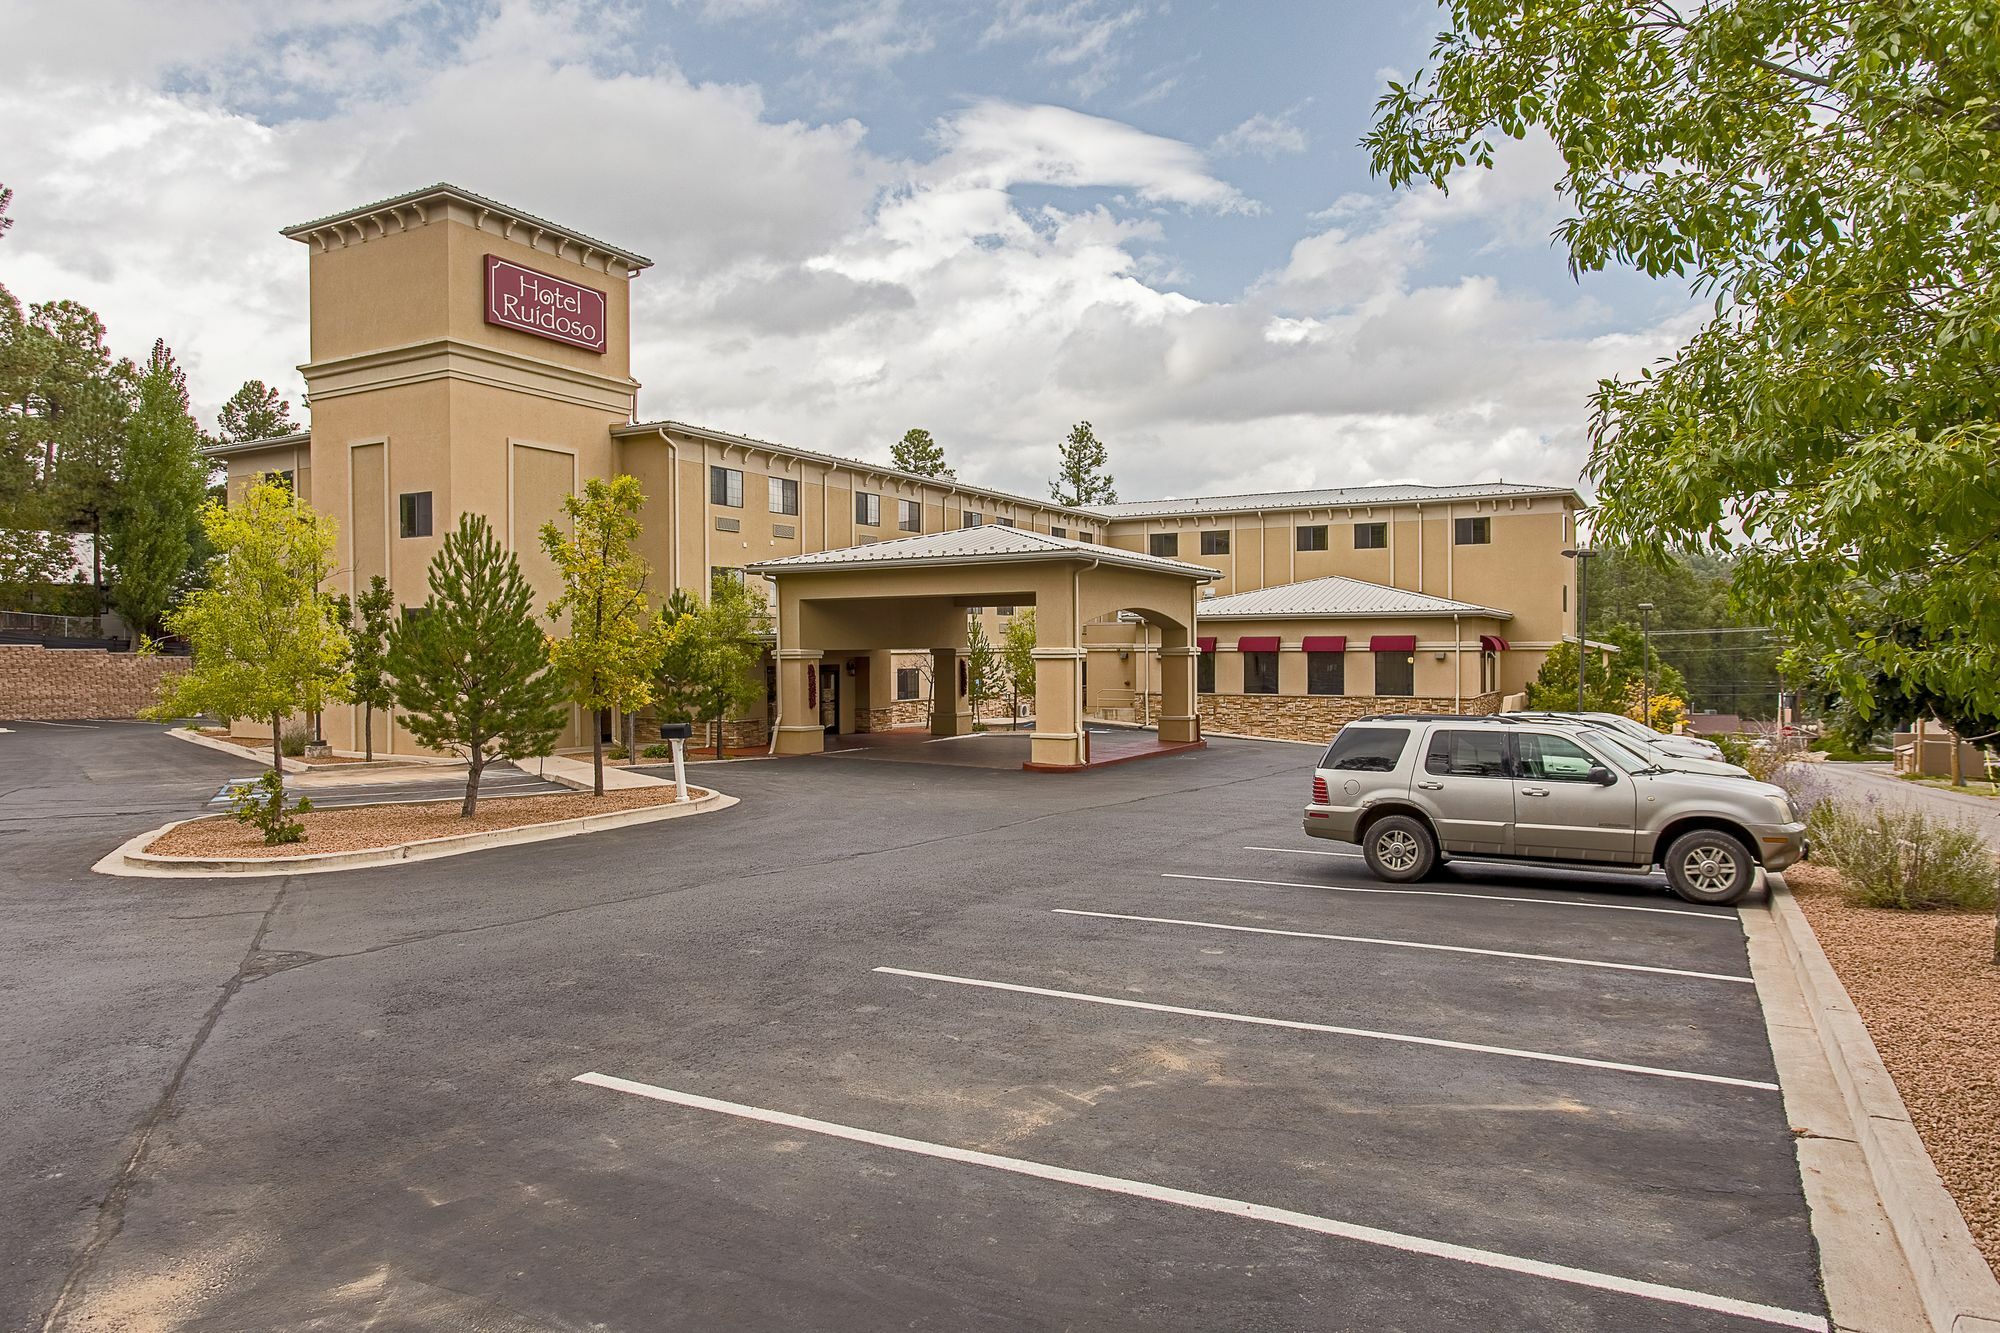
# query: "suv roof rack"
[1505,718]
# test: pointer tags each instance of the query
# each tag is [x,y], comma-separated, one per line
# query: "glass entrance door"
[829,699]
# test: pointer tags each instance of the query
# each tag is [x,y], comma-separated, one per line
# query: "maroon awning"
[1393,643]
[1206,645]
[1257,643]
[1492,643]
[1324,643]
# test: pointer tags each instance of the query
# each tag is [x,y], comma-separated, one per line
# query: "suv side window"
[1549,758]
[1467,754]
[1367,749]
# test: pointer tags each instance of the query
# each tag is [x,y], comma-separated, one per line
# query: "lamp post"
[1646,659]
[1580,554]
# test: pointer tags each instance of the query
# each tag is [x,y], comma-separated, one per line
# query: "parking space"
[988,1049]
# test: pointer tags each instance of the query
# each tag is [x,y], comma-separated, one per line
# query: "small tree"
[369,620]
[471,668]
[709,668]
[917,452]
[151,526]
[985,669]
[267,642]
[612,652]
[1082,470]
[1017,654]
[254,412]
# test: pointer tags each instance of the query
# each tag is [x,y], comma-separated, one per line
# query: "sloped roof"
[223,448]
[1334,497]
[987,544]
[1333,597]
[446,190]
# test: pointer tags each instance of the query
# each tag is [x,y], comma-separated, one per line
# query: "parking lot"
[896,1044]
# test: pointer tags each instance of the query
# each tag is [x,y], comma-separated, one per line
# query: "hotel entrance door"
[829,699]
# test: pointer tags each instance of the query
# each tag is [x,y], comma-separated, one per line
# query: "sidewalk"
[1862,781]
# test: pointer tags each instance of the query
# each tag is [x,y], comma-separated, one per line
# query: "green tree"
[1083,475]
[709,669]
[1826,171]
[985,668]
[612,651]
[1733,669]
[1017,656]
[254,412]
[1613,681]
[917,452]
[471,667]
[369,619]
[151,531]
[267,640]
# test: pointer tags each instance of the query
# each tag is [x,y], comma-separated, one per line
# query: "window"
[1565,597]
[1083,535]
[1260,673]
[1164,543]
[415,613]
[724,573]
[1548,758]
[784,495]
[909,682]
[1489,672]
[910,515]
[1366,749]
[1326,673]
[1215,543]
[1313,538]
[1371,536]
[1004,610]
[1204,673]
[1467,754]
[1057,532]
[416,513]
[971,518]
[868,509]
[1471,531]
[1395,674]
[284,479]
[725,487]
[1003,522]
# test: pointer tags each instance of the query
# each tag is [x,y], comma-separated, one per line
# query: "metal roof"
[447,189]
[1332,498]
[223,448]
[1333,597]
[987,544]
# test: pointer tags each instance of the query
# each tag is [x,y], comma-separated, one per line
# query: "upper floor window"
[971,518]
[1057,532]
[1083,535]
[1471,531]
[415,507]
[1312,537]
[784,495]
[1164,543]
[725,487]
[1215,542]
[1003,522]
[910,515]
[1371,536]
[868,509]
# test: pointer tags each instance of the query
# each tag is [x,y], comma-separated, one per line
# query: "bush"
[262,803]
[1894,855]
[659,750]
[614,752]
[292,741]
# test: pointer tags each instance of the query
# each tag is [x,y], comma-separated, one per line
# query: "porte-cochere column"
[799,729]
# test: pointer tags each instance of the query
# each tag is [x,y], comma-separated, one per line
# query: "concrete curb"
[262,760]
[576,774]
[130,858]
[1895,1251]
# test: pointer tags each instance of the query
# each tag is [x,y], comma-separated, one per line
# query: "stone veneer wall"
[901,713]
[735,735]
[1316,717]
[68,684]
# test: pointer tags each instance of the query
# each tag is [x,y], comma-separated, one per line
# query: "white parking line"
[1215,1203]
[1299,1025]
[1410,944]
[1729,918]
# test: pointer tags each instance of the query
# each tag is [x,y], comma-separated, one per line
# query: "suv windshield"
[1627,755]
[1367,749]
[1638,731]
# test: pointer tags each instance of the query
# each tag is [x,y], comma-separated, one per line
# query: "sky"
[988,218]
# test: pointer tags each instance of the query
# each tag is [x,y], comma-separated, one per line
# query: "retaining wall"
[72,684]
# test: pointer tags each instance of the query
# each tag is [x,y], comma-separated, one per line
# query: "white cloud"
[872,34]
[1266,136]
[1081,36]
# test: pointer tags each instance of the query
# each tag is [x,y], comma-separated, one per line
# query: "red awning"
[1324,643]
[1206,645]
[1492,643]
[1393,643]
[1257,643]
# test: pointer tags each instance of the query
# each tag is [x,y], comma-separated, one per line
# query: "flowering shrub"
[1895,855]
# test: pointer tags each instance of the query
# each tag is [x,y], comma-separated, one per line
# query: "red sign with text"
[548,307]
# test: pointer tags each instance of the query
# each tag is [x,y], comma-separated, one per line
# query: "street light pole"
[1646,659]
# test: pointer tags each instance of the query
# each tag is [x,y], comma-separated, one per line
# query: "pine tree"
[917,452]
[254,412]
[164,481]
[985,669]
[471,666]
[369,620]
[1081,475]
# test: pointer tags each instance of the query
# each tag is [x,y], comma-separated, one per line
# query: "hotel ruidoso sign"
[548,307]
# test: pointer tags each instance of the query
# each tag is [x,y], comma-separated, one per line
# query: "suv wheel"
[1399,849]
[1709,867]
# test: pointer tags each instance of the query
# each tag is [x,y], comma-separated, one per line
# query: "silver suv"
[1412,790]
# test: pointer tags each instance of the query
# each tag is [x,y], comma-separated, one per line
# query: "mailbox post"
[675,734]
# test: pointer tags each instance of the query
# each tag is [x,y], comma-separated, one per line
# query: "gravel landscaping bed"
[366,827]
[1929,991]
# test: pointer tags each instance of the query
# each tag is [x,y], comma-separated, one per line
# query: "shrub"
[293,741]
[262,803]
[659,750]
[1896,856]
[614,752]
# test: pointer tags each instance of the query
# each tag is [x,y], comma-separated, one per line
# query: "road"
[1863,782]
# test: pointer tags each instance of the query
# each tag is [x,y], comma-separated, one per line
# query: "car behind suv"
[1414,790]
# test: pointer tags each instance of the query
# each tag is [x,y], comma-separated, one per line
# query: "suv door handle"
[1534,791]
[1430,786]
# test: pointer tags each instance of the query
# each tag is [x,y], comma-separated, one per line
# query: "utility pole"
[1580,554]
[1646,660]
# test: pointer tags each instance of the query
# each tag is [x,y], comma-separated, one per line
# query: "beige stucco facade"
[417,396]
